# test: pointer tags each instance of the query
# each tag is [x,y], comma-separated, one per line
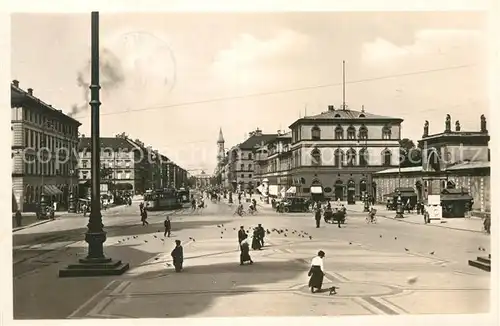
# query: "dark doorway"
[339,190]
[374,192]
[351,192]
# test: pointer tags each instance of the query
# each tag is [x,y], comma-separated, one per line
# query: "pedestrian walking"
[317,216]
[168,227]
[262,234]
[141,206]
[178,256]
[316,272]
[144,217]
[241,234]
[256,240]
[245,251]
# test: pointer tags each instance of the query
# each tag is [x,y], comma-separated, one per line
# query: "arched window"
[351,157]
[363,157]
[339,157]
[362,115]
[386,157]
[351,132]
[339,132]
[315,157]
[315,133]
[242,167]
[363,132]
[386,132]
[336,115]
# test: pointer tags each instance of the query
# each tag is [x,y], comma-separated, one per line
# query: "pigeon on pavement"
[407,249]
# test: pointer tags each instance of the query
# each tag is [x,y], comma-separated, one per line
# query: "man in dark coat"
[262,234]
[144,217]
[178,256]
[168,227]
[317,215]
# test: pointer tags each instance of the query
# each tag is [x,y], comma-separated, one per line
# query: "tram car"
[183,195]
[161,199]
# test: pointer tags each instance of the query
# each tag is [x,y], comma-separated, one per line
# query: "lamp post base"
[95,264]
[94,267]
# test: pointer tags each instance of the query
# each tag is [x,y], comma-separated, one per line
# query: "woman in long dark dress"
[245,251]
[316,273]
[256,240]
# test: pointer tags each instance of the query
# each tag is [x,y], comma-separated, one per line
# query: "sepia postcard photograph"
[249,164]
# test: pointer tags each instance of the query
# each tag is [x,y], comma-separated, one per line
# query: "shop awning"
[316,190]
[292,190]
[273,190]
[52,190]
[265,180]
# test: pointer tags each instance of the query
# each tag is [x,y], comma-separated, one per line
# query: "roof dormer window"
[336,115]
[362,115]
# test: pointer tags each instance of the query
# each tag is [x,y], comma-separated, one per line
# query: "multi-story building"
[44,146]
[241,161]
[335,153]
[452,158]
[273,164]
[124,164]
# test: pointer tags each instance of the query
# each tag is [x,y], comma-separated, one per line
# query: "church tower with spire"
[220,147]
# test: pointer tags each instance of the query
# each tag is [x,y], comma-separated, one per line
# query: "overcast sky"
[158,61]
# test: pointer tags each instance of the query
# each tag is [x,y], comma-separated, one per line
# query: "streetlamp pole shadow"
[95,264]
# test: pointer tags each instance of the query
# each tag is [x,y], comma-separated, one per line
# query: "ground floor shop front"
[474,181]
[27,191]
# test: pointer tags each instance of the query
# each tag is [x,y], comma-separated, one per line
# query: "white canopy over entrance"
[292,190]
[273,190]
[316,190]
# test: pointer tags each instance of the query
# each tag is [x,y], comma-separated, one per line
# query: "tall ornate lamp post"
[95,264]
[71,198]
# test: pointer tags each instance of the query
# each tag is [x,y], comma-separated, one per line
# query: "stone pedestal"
[95,264]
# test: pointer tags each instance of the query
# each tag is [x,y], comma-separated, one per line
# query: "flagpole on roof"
[343,85]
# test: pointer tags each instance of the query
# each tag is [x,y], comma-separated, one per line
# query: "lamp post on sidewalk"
[95,264]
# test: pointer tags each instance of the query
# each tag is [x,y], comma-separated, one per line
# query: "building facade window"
[315,133]
[339,132]
[351,157]
[363,157]
[242,167]
[315,157]
[386,157]
[249,156]
[363,132]
[339,157]
[386,132]
[351,132]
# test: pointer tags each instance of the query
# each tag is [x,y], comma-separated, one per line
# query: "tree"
[411,155]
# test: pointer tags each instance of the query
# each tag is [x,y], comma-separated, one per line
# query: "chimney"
[258,132]
[30,91]
[331,108]
[15,82]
